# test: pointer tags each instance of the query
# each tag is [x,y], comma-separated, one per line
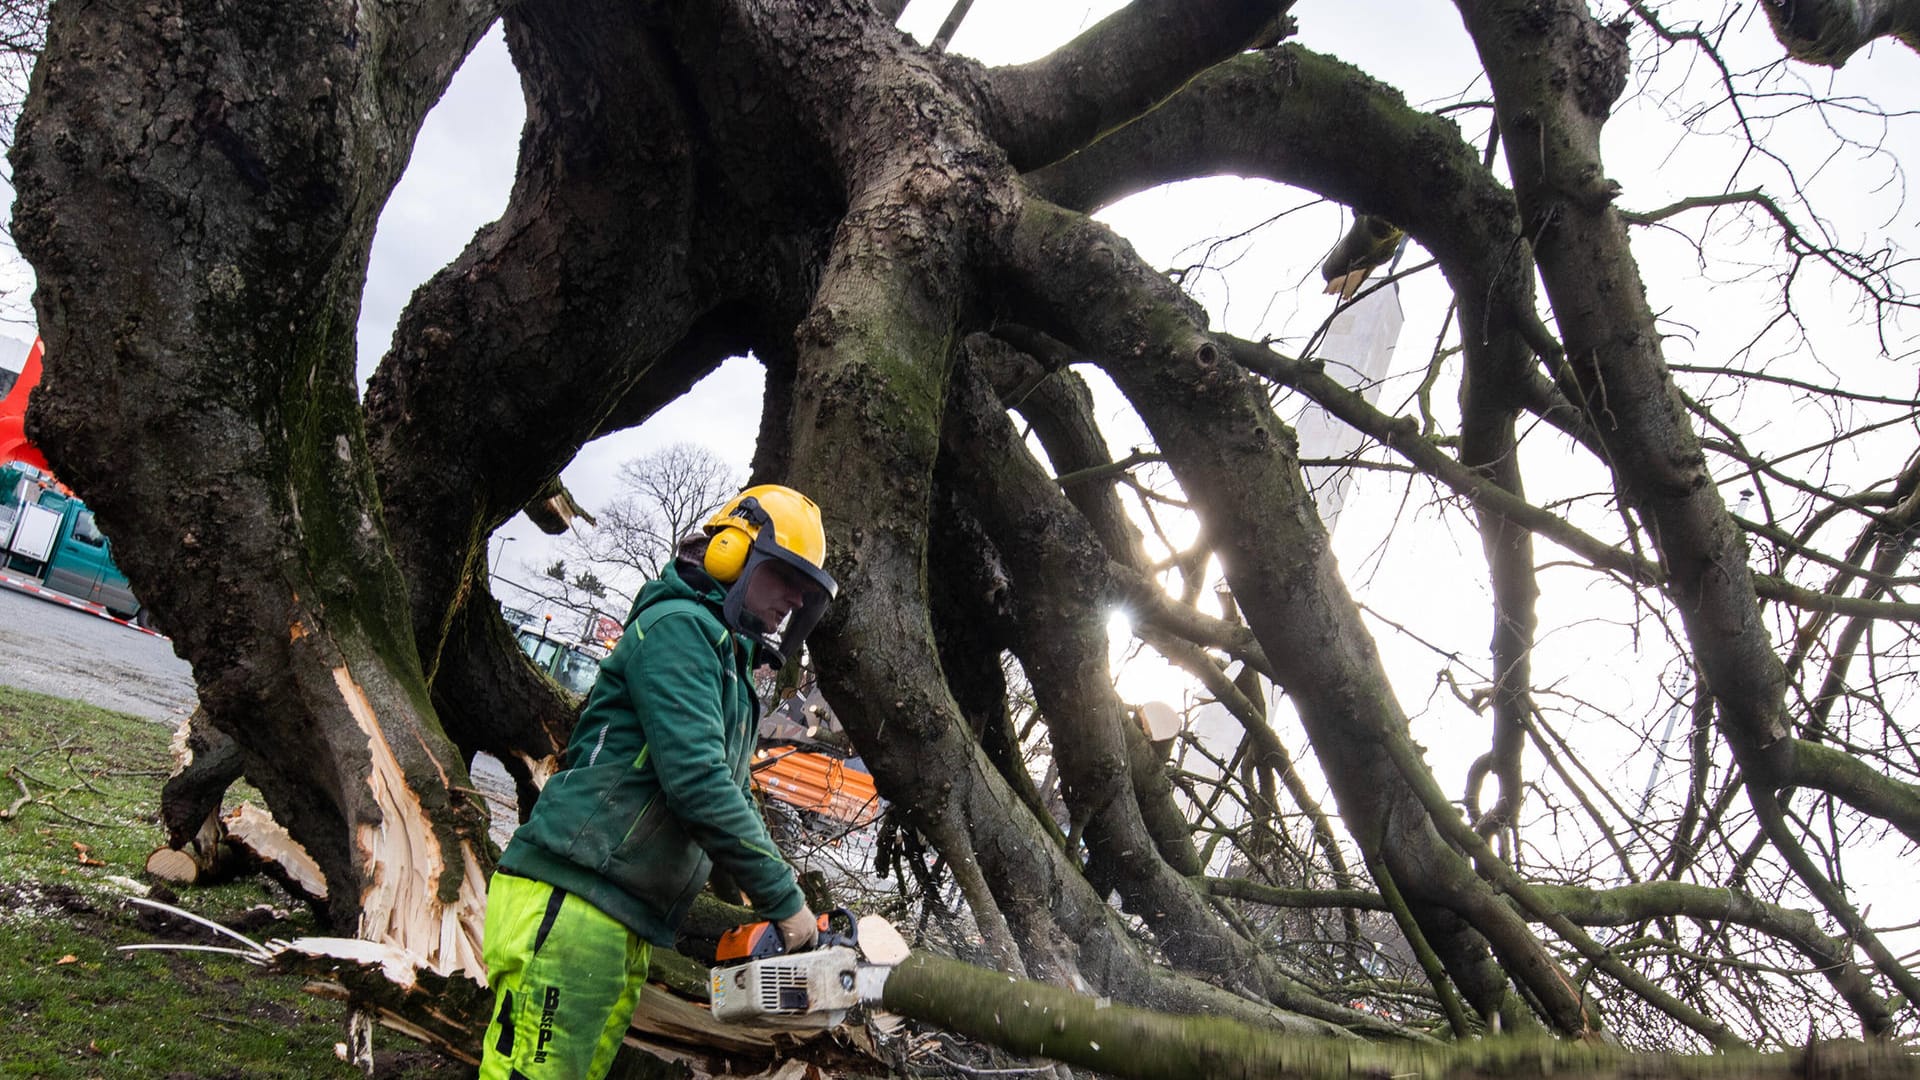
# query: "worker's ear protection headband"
[727,548]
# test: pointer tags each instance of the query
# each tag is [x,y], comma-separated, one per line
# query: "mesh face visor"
[778,598]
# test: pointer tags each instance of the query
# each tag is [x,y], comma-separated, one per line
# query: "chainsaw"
[755,980]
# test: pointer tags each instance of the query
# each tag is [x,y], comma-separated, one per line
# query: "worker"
[652,793]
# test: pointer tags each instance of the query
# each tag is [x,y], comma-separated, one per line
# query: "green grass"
[84,785]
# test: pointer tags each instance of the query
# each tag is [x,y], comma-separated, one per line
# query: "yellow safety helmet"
[735,526]
[769,546]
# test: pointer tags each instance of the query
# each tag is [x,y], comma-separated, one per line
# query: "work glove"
[800,929]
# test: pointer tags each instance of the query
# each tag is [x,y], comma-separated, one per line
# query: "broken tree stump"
[245,840]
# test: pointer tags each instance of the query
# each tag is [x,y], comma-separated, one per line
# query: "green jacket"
[654,787]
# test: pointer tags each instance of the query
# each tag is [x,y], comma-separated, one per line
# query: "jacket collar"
[679,581]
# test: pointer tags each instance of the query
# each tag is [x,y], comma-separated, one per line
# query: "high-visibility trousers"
[565,978]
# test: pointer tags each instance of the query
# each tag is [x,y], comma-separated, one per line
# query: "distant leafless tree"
[23,32]
[663,496]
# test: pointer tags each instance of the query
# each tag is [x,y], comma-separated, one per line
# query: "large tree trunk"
[198,191]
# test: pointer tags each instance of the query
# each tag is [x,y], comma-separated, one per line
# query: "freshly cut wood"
[178,866]
[244,840]
[660,1014]
[540,769]
[170,864]
[880,943]
[200,860]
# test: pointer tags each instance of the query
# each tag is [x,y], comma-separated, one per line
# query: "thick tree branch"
[473,410]
[1535,906]
[1060,408]
[1490,447]
[1630,904]
[1119,69]
[1849,777]
[1244,889]
[1296,117]
[1568,69]
[1236,461]
[1060,621]
[950,25]
[1828,32]
[872,359]
[971,623]
[1833,898]
[1039,1020]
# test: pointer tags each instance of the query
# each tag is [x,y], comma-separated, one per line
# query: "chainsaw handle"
[759,940]
[836,927]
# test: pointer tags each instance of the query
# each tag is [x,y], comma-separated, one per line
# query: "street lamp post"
[502,550]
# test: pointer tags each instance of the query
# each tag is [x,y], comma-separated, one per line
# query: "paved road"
[69,654]
[56,650]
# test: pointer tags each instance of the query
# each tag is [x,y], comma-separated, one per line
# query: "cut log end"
[174,866]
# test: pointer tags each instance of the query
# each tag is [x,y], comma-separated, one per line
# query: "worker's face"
[776,591]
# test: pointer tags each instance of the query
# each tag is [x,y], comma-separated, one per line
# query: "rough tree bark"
[1118,1041]
[900,236]
[204,395]
[1828,32]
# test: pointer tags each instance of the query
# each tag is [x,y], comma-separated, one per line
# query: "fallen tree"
[904,238]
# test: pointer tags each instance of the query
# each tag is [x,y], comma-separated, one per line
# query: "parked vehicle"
[572,666]
[13,411]
[50,545]
[570,663]
[49,536]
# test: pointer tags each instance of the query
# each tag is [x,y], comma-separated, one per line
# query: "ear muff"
[727,554]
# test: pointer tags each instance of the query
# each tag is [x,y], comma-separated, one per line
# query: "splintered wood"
[400,905]
[254,832]
[244,839]
[540,768]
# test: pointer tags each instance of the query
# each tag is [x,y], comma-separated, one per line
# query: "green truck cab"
[572,666]
[50,536]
